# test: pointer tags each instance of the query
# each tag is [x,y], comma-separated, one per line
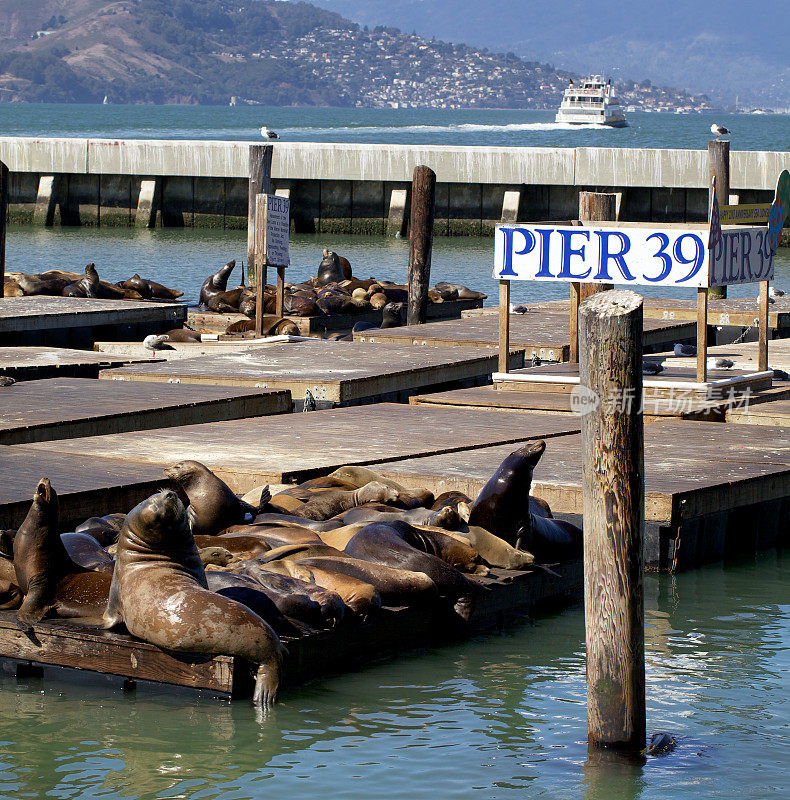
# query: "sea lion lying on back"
[151,289]
[216,283]
[159,591]
[505,508]
[212,504]
[335,501]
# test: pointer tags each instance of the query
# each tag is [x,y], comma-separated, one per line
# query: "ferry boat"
[593,102]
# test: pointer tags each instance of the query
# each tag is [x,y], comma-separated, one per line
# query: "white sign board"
[277,229]
[635,256]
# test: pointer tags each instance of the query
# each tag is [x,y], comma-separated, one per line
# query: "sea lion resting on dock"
[159,591]
[328,504]
[216,284]
[505,507]
[46,575]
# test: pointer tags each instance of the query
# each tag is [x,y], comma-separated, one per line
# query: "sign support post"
[762,326]
[573,353]
[702,334]
[504,324]
[272,224]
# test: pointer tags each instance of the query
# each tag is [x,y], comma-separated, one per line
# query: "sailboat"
[106,101]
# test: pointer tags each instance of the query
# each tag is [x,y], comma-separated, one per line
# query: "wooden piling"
[3,214]
[613,501]
[260,183]
[718,168]
[593,207]
[423,199]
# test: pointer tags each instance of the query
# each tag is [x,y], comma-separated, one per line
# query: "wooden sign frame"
[262,262]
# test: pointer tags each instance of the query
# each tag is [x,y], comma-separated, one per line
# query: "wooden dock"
[289,449]
[560,403]
[710,489]
[744,355]
[177,350]
[34,363]
[211,322]
[545,335]
[771,413]
[86,486]
[347,646]
[739,312]
[79,322]
[68,408]
[335,373]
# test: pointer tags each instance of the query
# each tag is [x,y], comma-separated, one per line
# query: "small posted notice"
[277,229]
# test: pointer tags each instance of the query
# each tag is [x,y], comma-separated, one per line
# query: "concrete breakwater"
[359,188]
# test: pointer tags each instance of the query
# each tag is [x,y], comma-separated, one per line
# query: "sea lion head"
[185,472]
[391,315]
[329,270]
[219,280]
[45,503]
[154,520]
[375,492]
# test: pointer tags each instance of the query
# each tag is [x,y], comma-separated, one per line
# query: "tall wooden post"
[260,183]
[504,324]
[593,207]
[423,200]
[259,259]
[718,167]
[3,214]
[702,334]
[610,333]
[762,328]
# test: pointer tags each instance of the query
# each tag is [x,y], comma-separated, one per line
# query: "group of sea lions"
[71,284]
[333,290]
[198,569]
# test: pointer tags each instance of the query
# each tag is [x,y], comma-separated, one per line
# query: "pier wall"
[350,188]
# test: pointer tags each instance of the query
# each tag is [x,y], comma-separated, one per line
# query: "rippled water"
[501,716]
[183,257]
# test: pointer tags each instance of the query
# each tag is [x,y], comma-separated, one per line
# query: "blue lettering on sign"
[605,256]
[568,251]
[529,246]
[698,259]
[544,234]
[663,241]
[746,249]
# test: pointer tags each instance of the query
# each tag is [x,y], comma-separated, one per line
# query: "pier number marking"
[635,256]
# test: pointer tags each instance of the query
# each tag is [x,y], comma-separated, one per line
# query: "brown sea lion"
[159,591]
[104,529]
[86,552]
[505,508]
[446,517]
[148,288]
[457,291]
[355,477]
[185,335]
[300,305]
[216,284]
[50,580]
[330,269]
[87,286]
[335,501]
[457,500]
[226,302]
[44,284]
[212,505]
[400,545]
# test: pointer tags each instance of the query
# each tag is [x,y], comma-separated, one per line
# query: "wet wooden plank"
[733,311]
[688,473]
[66,408]
[544,335]
[334,372]
[39,313]
[560,403]
[282,449]
[30,363]
[210,322]
[86,485]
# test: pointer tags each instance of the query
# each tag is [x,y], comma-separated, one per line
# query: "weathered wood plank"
[281,449]
[744,355]
[30,363]
[334,372]
[67,408]
[544,335]
[86,485]
[770,413]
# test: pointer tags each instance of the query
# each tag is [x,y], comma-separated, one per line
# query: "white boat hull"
[595,118]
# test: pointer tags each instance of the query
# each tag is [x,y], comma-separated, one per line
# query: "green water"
[183,257]
[501,716]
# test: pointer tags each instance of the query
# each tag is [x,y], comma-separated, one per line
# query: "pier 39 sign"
[637,256]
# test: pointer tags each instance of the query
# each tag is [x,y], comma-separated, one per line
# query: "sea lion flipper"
[114,614]
[281,552]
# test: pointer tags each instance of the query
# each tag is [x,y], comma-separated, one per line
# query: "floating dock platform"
[544,335]
[67,408]
[35,363]
[79,322]
[335,373]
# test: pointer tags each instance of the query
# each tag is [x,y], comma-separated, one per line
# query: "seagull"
[154,342]
[518,309]
[719,130]
[651,368]
[267,134]
[536,361]
[685,350]
[774,292]
[5,380]
[720,363]
[781,375]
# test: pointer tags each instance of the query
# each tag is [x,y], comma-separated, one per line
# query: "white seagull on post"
[267,134]
[719,130]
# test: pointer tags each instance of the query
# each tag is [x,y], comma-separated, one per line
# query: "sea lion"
[148,288]
[457,500]
[183,335]
[86,552]
[400,545]
[505,508]
[159,591]
[446,517]
[50,580]
[212,505]
[44,284]
[334,501]
[457,291]
[299,305]
[330,270]
[104,529]
[226,302]
[87,286]
[216,283]
[354,477]
[239,545]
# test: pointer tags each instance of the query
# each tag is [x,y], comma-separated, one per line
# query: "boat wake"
[456,128]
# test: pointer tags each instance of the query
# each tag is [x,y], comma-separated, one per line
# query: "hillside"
[277,53]
[727,49]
